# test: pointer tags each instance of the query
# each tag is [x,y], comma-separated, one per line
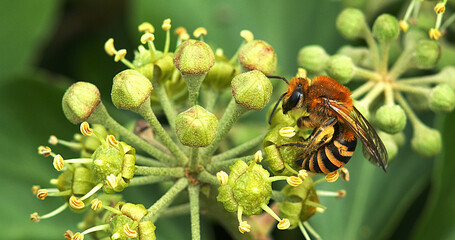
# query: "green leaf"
[438,220]
[24,26]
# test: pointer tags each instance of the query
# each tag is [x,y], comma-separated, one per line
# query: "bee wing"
[363,130]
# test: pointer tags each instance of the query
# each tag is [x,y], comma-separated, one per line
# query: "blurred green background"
[47,45]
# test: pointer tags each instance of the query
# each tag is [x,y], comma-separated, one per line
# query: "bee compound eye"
[292,101]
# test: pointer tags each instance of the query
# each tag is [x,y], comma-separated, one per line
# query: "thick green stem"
[402,64]
[166,104]
[179,210]
[148,161]
[145,110]
[411,89]
[373,94]
[367,74]
[194,159]
[193,191]
[210,96]
[233,112]
[368,35]
[362,89]
[160,171]
[233,152]
[214,166]
[155,210]
[421,80]
[385,48]
[101,116]
[206,177]
[193,81]
[146,180]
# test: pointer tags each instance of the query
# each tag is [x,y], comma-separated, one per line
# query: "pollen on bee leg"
[223,177]
[258,156]
[247,35]
[287,132]
[199,32]
[332,177]
[146,27]
[130,233]
[344,174]
[294,181]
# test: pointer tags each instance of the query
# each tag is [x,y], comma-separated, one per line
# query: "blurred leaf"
[31,111]
[438,220]
[24,25]
[375,201]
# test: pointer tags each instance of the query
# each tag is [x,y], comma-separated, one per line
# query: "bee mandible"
[336,125]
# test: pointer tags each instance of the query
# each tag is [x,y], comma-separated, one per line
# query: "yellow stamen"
[68,234]
[109,47]
[111,181]
[344,174]
[284,224]
[115,236]
[199,32]
[45,151]
[76,203]
[223,177]
[53,140]
[34,217]
[130,233]
[332,177]
[147,37]
[301,73]
[166,24]
[110,139]
[434,34]
[146,27]
[120,55]
[58,162]
[303,174]
[219,52]
[244,227]
[78,236]
[404,26]
[341,193]
[35,189]
[440,8]
[96,204]
[287,132]
[247,35]
[180,30]
[294,181]
[85,129]
[258,156]
[42,194]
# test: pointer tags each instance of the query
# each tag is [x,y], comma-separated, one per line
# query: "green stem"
[402,64]
[127,63]
[211,95]
[411,89]
[368,36]
[388,92]
[276,178]
[160,171]
[436,78]
[145,110]
[101,116]
[233,112]
[193,191]
[179,210]
[270,211]
[146,180]
[193,81]
[155,210]
[409,10]
[214,166]
[384,57]
[233,152]
[148,161]
[206,177]
[167,43]
[311,230]
[373,94]
[194,159]
[409,112]
[367,74]
[280,197]
[362,90]
[166,104]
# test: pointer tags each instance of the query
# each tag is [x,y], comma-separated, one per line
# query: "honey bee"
[336,125]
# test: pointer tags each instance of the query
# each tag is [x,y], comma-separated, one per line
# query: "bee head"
[294,96]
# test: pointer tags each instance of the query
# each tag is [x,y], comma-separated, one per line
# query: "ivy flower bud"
[196,127]
[79,101]
[258,55]
[341,68]
[220,75]
[386,28]
[427,54]
[194,57]
[252,90]
[247,188]
[442,98]
[351,23]
[130,89]
[426,141]
[313,58]
[391,118]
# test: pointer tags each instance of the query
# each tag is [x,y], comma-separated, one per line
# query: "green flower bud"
[142,57]
[363,109]
[194,57]
[426,141]
[391,118]
[448,74]
[118,222]
[220,76]
[313,58]
[248,187]
[427,54]
[279,118]
[258,55]
[115,161]
[196,127]
[79,101]
[360,56]
[351,23]
[341,68]
[278,157]
[390,144]
[90,143]
[79,179]
[442,98]
[252,89]
[299,211]
[386,28]
[130,89]
[413,37]
[130,224]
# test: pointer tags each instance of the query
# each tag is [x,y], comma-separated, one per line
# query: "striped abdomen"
[331,156]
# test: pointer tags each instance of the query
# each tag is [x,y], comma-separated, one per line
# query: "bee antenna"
[274,108]
[278,77]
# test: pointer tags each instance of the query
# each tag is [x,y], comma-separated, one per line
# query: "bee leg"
[321,135]
[296,144]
